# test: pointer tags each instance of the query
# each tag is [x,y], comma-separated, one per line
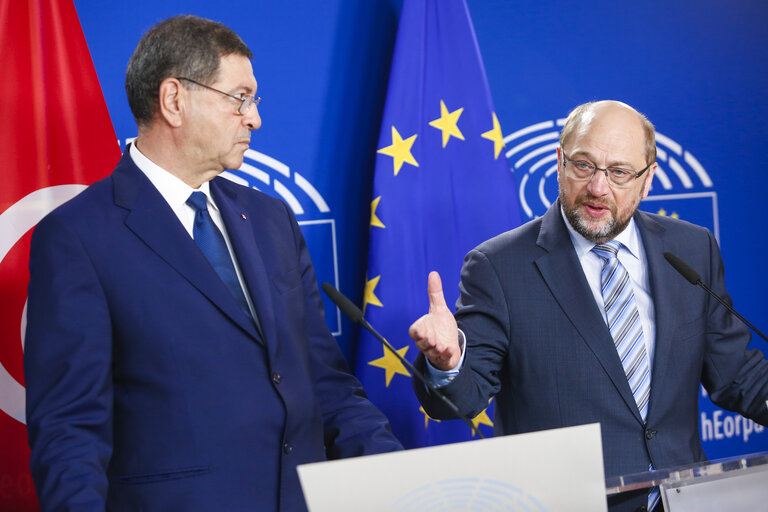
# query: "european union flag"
[442,186]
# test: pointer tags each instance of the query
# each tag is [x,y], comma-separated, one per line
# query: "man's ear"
[172,98]
[648,180]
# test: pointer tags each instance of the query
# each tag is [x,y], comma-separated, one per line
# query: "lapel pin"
[243,216]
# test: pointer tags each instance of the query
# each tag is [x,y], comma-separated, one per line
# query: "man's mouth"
[596,210]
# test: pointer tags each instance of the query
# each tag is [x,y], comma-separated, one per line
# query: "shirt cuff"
[441,378]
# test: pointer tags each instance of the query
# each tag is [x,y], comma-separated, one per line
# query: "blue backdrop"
[697,69]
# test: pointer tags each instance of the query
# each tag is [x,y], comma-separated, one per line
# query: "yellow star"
[674,215]
[482,419]
[374,219]
[447,123]
[427,417]
[369,297]
[495,136]
[391,363]
[400,150]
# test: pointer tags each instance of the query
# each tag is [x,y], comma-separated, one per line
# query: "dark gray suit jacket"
[537,341]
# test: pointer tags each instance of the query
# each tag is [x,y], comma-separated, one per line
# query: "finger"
[443,359]
[416,330]
[435,291]
[420,330]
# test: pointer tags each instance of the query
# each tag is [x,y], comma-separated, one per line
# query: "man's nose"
[598,184]
[252,119]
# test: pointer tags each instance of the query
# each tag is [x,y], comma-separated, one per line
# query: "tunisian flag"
[55,137]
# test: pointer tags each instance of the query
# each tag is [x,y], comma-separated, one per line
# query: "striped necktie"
[627,332]
[624,323]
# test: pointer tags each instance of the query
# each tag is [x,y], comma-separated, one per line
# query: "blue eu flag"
[442,186]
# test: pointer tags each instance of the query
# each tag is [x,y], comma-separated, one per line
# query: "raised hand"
[436,334]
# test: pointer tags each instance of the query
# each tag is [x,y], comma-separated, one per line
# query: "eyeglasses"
[582,170]
[246,101]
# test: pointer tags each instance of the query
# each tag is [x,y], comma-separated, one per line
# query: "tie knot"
[608,250]
[198,201]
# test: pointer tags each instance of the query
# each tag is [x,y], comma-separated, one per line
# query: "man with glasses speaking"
[577,318]
[177,356]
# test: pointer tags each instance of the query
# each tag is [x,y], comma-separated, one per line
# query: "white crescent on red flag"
[57,137]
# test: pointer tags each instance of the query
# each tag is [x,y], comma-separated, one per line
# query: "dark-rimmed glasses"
[583,170]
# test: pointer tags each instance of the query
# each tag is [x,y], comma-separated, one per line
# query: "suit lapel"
[561,270]
[153,221]
[248,244]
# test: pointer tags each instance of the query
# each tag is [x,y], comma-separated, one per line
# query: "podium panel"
[558,470]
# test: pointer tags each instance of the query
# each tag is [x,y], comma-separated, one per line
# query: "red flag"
[55,137]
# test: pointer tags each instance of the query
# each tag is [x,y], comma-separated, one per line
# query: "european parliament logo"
[479,494]
[681,187]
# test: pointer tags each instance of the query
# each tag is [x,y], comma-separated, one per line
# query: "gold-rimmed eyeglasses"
[246,100]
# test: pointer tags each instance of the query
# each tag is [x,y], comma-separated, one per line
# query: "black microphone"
[693,277]
[354,314]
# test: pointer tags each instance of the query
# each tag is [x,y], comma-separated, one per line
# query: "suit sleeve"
[352,424]
[735,377]
[67,365]
[483,315]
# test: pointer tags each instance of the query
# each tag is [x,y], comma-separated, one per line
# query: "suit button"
[276,378]
[287,447]
[641,509]
[649,433]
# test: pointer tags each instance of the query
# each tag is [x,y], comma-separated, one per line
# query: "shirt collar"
[629,238]
[173,189]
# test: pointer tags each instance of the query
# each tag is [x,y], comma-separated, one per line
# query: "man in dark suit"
[576,317]
[177,356]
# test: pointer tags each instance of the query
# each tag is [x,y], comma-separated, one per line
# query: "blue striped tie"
[654,495]
[627,332]
[210,240]
[624,323]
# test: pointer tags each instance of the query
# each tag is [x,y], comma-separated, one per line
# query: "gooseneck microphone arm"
[353,313]
[693,277]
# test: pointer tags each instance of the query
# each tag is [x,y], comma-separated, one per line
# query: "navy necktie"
[210,240]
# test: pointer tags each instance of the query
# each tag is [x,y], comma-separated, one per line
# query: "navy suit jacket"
[537,341]
[148,388]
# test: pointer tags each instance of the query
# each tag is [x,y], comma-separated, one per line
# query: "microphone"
[693,277]
[356,315]
[685,270]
